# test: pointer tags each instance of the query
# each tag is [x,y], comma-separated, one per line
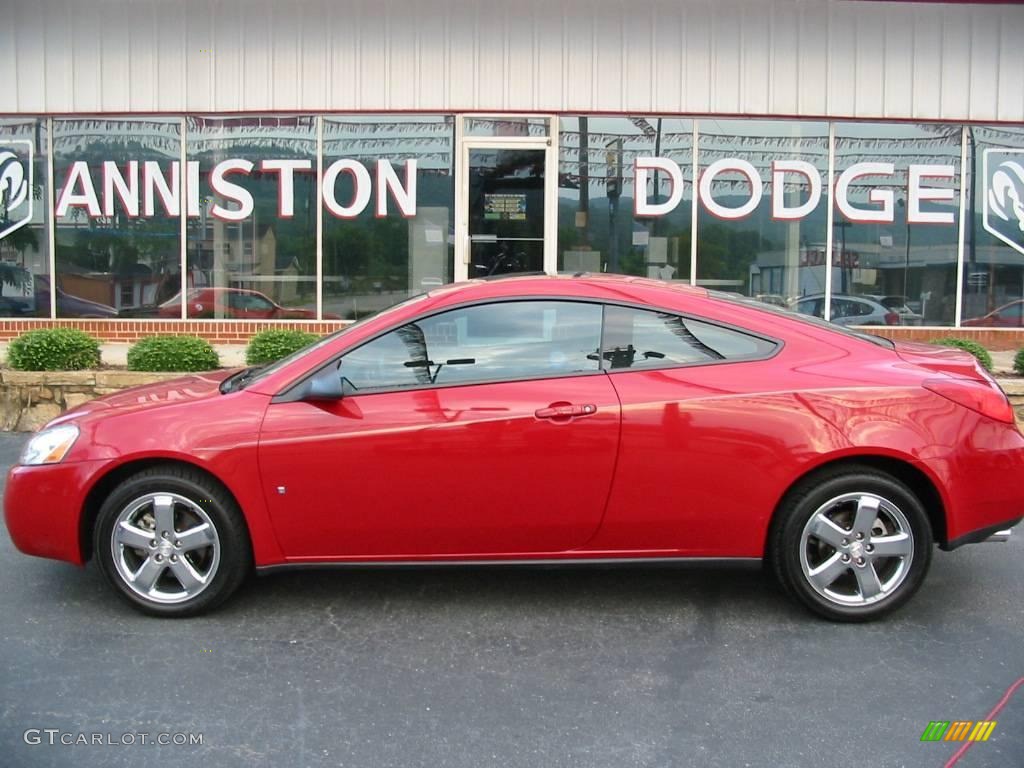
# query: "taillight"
[980,396]
[892,318]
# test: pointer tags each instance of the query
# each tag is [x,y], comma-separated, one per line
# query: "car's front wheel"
[852,544]
[172,542]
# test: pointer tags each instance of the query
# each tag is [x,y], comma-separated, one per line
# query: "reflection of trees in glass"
[366,250]
[727,252]
[118,244]
[295,237]
[415,342]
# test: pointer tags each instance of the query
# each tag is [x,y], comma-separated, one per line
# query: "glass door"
[506,211]
[505,193]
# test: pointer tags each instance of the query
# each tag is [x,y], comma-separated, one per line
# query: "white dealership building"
[217,167]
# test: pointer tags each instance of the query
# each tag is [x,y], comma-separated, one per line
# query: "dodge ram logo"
[15,185]
[1004,195]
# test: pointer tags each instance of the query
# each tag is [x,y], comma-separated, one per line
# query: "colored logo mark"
[958,730]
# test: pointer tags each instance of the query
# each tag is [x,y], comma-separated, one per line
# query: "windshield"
[262,373]
[802,318]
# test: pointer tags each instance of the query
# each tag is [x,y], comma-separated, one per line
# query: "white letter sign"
[739,166]
[915,194]
[641,207]
[231,191]
[779,170]
[882,196]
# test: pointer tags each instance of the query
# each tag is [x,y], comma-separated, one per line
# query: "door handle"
[565,411]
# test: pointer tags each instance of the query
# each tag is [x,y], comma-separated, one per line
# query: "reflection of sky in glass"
[503,341]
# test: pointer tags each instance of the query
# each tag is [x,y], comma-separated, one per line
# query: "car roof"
[601,285]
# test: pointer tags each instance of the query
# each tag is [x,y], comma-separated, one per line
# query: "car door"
[696,432]
[486,430]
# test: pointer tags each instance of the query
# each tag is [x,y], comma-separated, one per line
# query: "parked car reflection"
[1007,316]
[234,303]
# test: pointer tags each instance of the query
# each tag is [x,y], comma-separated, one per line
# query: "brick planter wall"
[214,331]
[998,340]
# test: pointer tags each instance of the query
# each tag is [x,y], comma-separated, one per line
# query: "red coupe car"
[538,419]
[1007,316]
[234,303]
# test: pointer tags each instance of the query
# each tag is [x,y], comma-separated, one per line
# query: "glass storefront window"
[24,215]
[896,223]
[763,209]
[249,191]
[993,291]
[599,229]
[251,244]
[117,208]
[389,198]
[506,127]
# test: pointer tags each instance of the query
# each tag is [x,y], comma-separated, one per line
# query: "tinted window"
[636,338]
[481,343]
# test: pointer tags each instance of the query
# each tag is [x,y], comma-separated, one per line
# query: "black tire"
[198,504]
[790,550]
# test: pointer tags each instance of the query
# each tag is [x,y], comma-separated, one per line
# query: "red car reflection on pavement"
[234,303]
[539,419]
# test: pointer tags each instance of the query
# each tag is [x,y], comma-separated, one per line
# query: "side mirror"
[325,385]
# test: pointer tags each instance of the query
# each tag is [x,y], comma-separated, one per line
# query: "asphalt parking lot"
[509,667]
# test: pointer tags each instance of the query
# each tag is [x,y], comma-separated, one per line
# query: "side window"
[489,342]
[861,308]
[248,301]
[637,338]
[812,307]
[842,308]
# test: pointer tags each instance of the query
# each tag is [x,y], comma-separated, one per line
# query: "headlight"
[50,445]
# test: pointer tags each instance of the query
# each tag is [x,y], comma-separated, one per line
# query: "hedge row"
[68,349]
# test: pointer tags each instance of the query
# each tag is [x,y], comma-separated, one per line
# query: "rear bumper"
[43,508]
[983,491]
[998,532]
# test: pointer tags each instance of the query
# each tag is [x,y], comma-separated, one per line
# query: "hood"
[949,360]
[173,391]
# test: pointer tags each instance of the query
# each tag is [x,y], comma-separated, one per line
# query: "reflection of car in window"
[36,303]
[854,310]
[233,303]
[1007,316]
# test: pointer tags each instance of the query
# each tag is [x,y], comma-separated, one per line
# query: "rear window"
[802,318]
[639,338]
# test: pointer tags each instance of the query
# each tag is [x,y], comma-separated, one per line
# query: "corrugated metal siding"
[789,57]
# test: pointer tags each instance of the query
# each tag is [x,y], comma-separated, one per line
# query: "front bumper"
[43,508]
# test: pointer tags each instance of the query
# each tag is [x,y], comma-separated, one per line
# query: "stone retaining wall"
[29,399]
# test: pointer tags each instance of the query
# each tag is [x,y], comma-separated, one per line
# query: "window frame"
[289,393]
[777,344]
[486,380]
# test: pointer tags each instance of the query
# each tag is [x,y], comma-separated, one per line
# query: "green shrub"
[969,346]
[268,346]
[172,353]
[54,349]
[1018,362]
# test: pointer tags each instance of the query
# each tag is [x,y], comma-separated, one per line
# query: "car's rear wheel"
[172,542]
[852,544]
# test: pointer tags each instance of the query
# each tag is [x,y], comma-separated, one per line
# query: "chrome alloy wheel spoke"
[154,558]
[825,574]
[837,541]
